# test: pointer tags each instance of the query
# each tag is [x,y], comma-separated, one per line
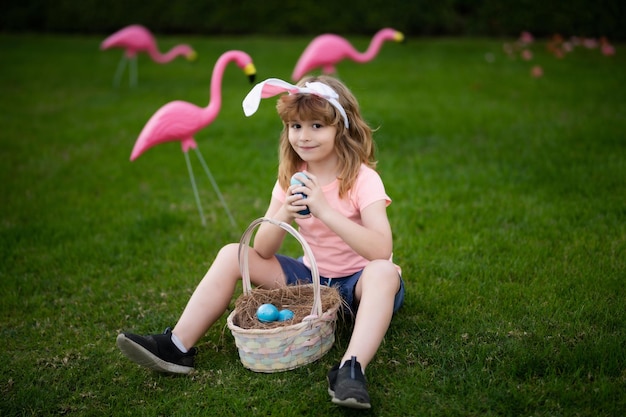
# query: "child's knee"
[382,273]
[381,267]
[229,251]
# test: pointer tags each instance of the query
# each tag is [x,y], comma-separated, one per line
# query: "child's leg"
[375,292]
[215,291]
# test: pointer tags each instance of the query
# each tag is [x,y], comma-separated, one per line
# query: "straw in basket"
[291,345]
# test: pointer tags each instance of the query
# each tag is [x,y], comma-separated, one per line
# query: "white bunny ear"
[264,89]
[275,86]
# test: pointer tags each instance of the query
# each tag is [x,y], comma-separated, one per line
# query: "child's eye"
[294,125]
[317,125]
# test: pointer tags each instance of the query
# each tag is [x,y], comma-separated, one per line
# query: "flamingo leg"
[217,190]
[133,72]
[195,189]
[119,71]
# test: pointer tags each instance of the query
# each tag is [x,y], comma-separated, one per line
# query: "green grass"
[509,216]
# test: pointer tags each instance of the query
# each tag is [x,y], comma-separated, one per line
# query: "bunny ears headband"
[275,86]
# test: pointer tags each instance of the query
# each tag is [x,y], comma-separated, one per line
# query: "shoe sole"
[348,402]
[141,356]
[351,403]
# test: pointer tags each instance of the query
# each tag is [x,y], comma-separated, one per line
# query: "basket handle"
[243,260]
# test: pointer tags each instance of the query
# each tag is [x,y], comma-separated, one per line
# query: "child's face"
[312,140]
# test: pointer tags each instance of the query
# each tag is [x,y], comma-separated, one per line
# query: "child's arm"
[372,240]
[269,237]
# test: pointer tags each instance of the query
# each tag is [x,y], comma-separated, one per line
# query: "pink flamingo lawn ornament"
[179,121]
[134,39]
[328,50]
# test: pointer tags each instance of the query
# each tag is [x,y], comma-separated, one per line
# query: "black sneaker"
[156,352]
[346,385]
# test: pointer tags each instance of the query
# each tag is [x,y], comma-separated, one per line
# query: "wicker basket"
[289,346]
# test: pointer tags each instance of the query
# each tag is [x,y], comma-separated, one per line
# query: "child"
[324,137]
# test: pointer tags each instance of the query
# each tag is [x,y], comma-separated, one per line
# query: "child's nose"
[305,133]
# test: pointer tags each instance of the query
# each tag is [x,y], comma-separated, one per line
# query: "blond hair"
[354,146]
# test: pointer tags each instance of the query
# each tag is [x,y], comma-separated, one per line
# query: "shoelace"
[353,367]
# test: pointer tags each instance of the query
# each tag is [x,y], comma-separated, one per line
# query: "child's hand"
[314,200]
[296,198]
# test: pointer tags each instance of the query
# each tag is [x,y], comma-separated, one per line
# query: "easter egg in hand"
[267,313]
[296,181]
[284,315]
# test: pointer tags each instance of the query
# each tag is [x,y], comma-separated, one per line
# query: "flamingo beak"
[399,37]
[191,56]
[250,71]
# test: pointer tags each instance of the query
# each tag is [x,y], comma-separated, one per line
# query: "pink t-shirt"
[333,256]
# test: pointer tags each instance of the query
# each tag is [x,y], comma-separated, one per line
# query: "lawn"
[509,220]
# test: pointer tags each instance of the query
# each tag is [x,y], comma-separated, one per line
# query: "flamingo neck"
[372,49]
[160,58]
[209,113]
[215,100]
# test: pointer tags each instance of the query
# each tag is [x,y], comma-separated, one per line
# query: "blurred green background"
[415,17]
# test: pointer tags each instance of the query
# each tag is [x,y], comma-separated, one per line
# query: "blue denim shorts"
[296,272]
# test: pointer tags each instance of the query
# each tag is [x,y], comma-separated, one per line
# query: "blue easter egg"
[296,181]
[285,314]
[295,178]
[267,313]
